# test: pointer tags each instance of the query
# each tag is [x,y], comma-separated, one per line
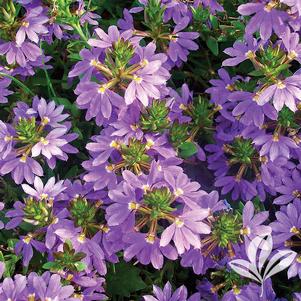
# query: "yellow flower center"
[150,238]
[179,223]
[25,24]
[102,89]
[250,54]
[149,143]
[294,230]
[23,158]
[178,192]
[8,138]
[114,144]
[280,85]
[245,231]
[137,79]
[27,239]
[81,238]
[133,206]
[44,141]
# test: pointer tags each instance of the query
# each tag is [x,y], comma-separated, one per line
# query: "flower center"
[25,24]
[280,85]
[44,141]
[137,79]
[294,230]
[102,89]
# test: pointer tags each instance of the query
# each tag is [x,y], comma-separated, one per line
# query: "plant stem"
[79,30]
[19,83]
[49,83]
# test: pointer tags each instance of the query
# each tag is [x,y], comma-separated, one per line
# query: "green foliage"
[187,149]
[66,260]
[123,280]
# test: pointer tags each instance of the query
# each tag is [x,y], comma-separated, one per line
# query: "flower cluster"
[145,145]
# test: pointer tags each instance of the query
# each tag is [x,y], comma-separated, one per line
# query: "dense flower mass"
[150,150]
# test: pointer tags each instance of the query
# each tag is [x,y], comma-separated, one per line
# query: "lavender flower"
[181,42]
[20,54]
[274,145]
[282,93]
[4,92]
[32,25]
[241,51]
[185,229]
[168,295]
[294,4]
[51,190]
[289,189]
[267,18]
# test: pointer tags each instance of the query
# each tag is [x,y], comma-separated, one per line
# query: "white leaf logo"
[258,252]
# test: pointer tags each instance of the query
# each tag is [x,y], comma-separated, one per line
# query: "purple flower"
[13,289]
[291,43]
[249,111]
[127,125]
[195,259]
[175,10]
[179,101]
[20,54]
[147,250]
[51,190]
[186,229]
[1,223]
[222,87]
[49,287]
[212,5]
[50,145]
[127,22]
[185,190]
[146,82]
[6,139]
[294,4]
[287,224]
[295,268]
[32,25]
[252,223]
[241,187]
[180,294]
[106,40]
[267,18]
[48,112]
[286,92]
[181,42]
[86,16]
[86,67]
[212,202]
[4,83]
[98,99]
[20,168]
[290,189]
[241,51]
[274,145]
[25,247]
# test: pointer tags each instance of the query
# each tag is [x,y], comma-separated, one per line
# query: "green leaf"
[80,266]
[10,265]
[72,172]
[214,21]
[187,149]
[124,280]
[212,45]
[49,265]
[256,73]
